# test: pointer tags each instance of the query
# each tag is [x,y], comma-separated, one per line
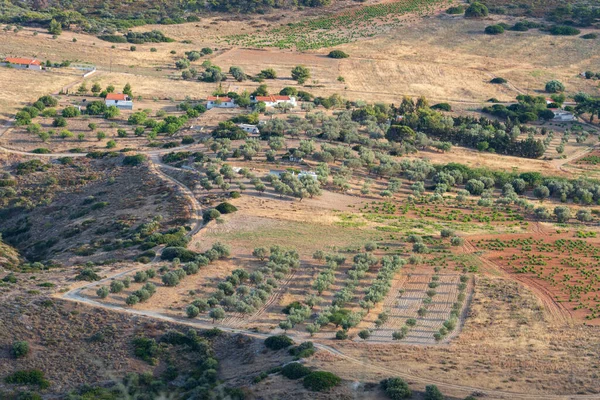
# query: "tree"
[217,314]
[541,192]
[554,86]
[116,286]
[400,133]
[55,27]
[111,112]
[562,213]
[96,88]
[584,215]
[476,10]
[102,292]
[475,187]
[192,311]
[433,393]
[300,73]
[364,334]
[127,90]
[260,253]
[100,135]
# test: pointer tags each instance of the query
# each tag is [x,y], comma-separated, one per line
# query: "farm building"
[308,173]
[562,115]
[219,102]
[272,100]
[250,128]
[119,100]
[23,63]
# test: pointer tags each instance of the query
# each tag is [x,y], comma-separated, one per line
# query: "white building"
[250,128]
[272,100]
[219,102]
[23,63]
[308,173]
[119,100]
[563,116]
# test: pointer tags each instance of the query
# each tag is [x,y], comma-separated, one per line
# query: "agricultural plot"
[566,267]
[347,26]
[406,304]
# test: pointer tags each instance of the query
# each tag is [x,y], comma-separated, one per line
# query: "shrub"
[337,54]
[590,36]
[396,388]
[184,255]
[433,393]
[442,107]
[494,30]
[102,292]
[28,377]
[19,349]
[564,30]
[554,86]
[476,10]
[319,381]
[295,371]
[226,208]
[364,334]
[341,335]
[134,160]
[455,10]
[278,342]
[303,350]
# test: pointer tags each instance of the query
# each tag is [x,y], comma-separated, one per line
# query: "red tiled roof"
[214,98]
[116,96]
[23,61]
[272,98]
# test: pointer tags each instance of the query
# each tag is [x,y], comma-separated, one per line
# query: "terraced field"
[404,302]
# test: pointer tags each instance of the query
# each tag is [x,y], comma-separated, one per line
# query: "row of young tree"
[245,292]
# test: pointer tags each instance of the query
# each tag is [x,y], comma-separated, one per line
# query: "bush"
[192,311]
[476,10]
[320,381]
[19,349]
[134,160]
[295,371]
[590,36]
[303,350]
[433,393]
[564,30]
[28,377]
[494,30]
[226,208]
[278,342]
[396,388]
[455,10]
[337,54]
[442,107]
[555,86]
[498,80]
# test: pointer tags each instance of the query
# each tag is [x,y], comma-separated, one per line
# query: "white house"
[119,100]
[219,102]
[250,128]
[23,63]
[272,100]
[563,116]
[308,173]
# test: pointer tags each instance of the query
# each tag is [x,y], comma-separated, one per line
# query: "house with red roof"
[219,102]
[23,63]
[119,100]
[273,100]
